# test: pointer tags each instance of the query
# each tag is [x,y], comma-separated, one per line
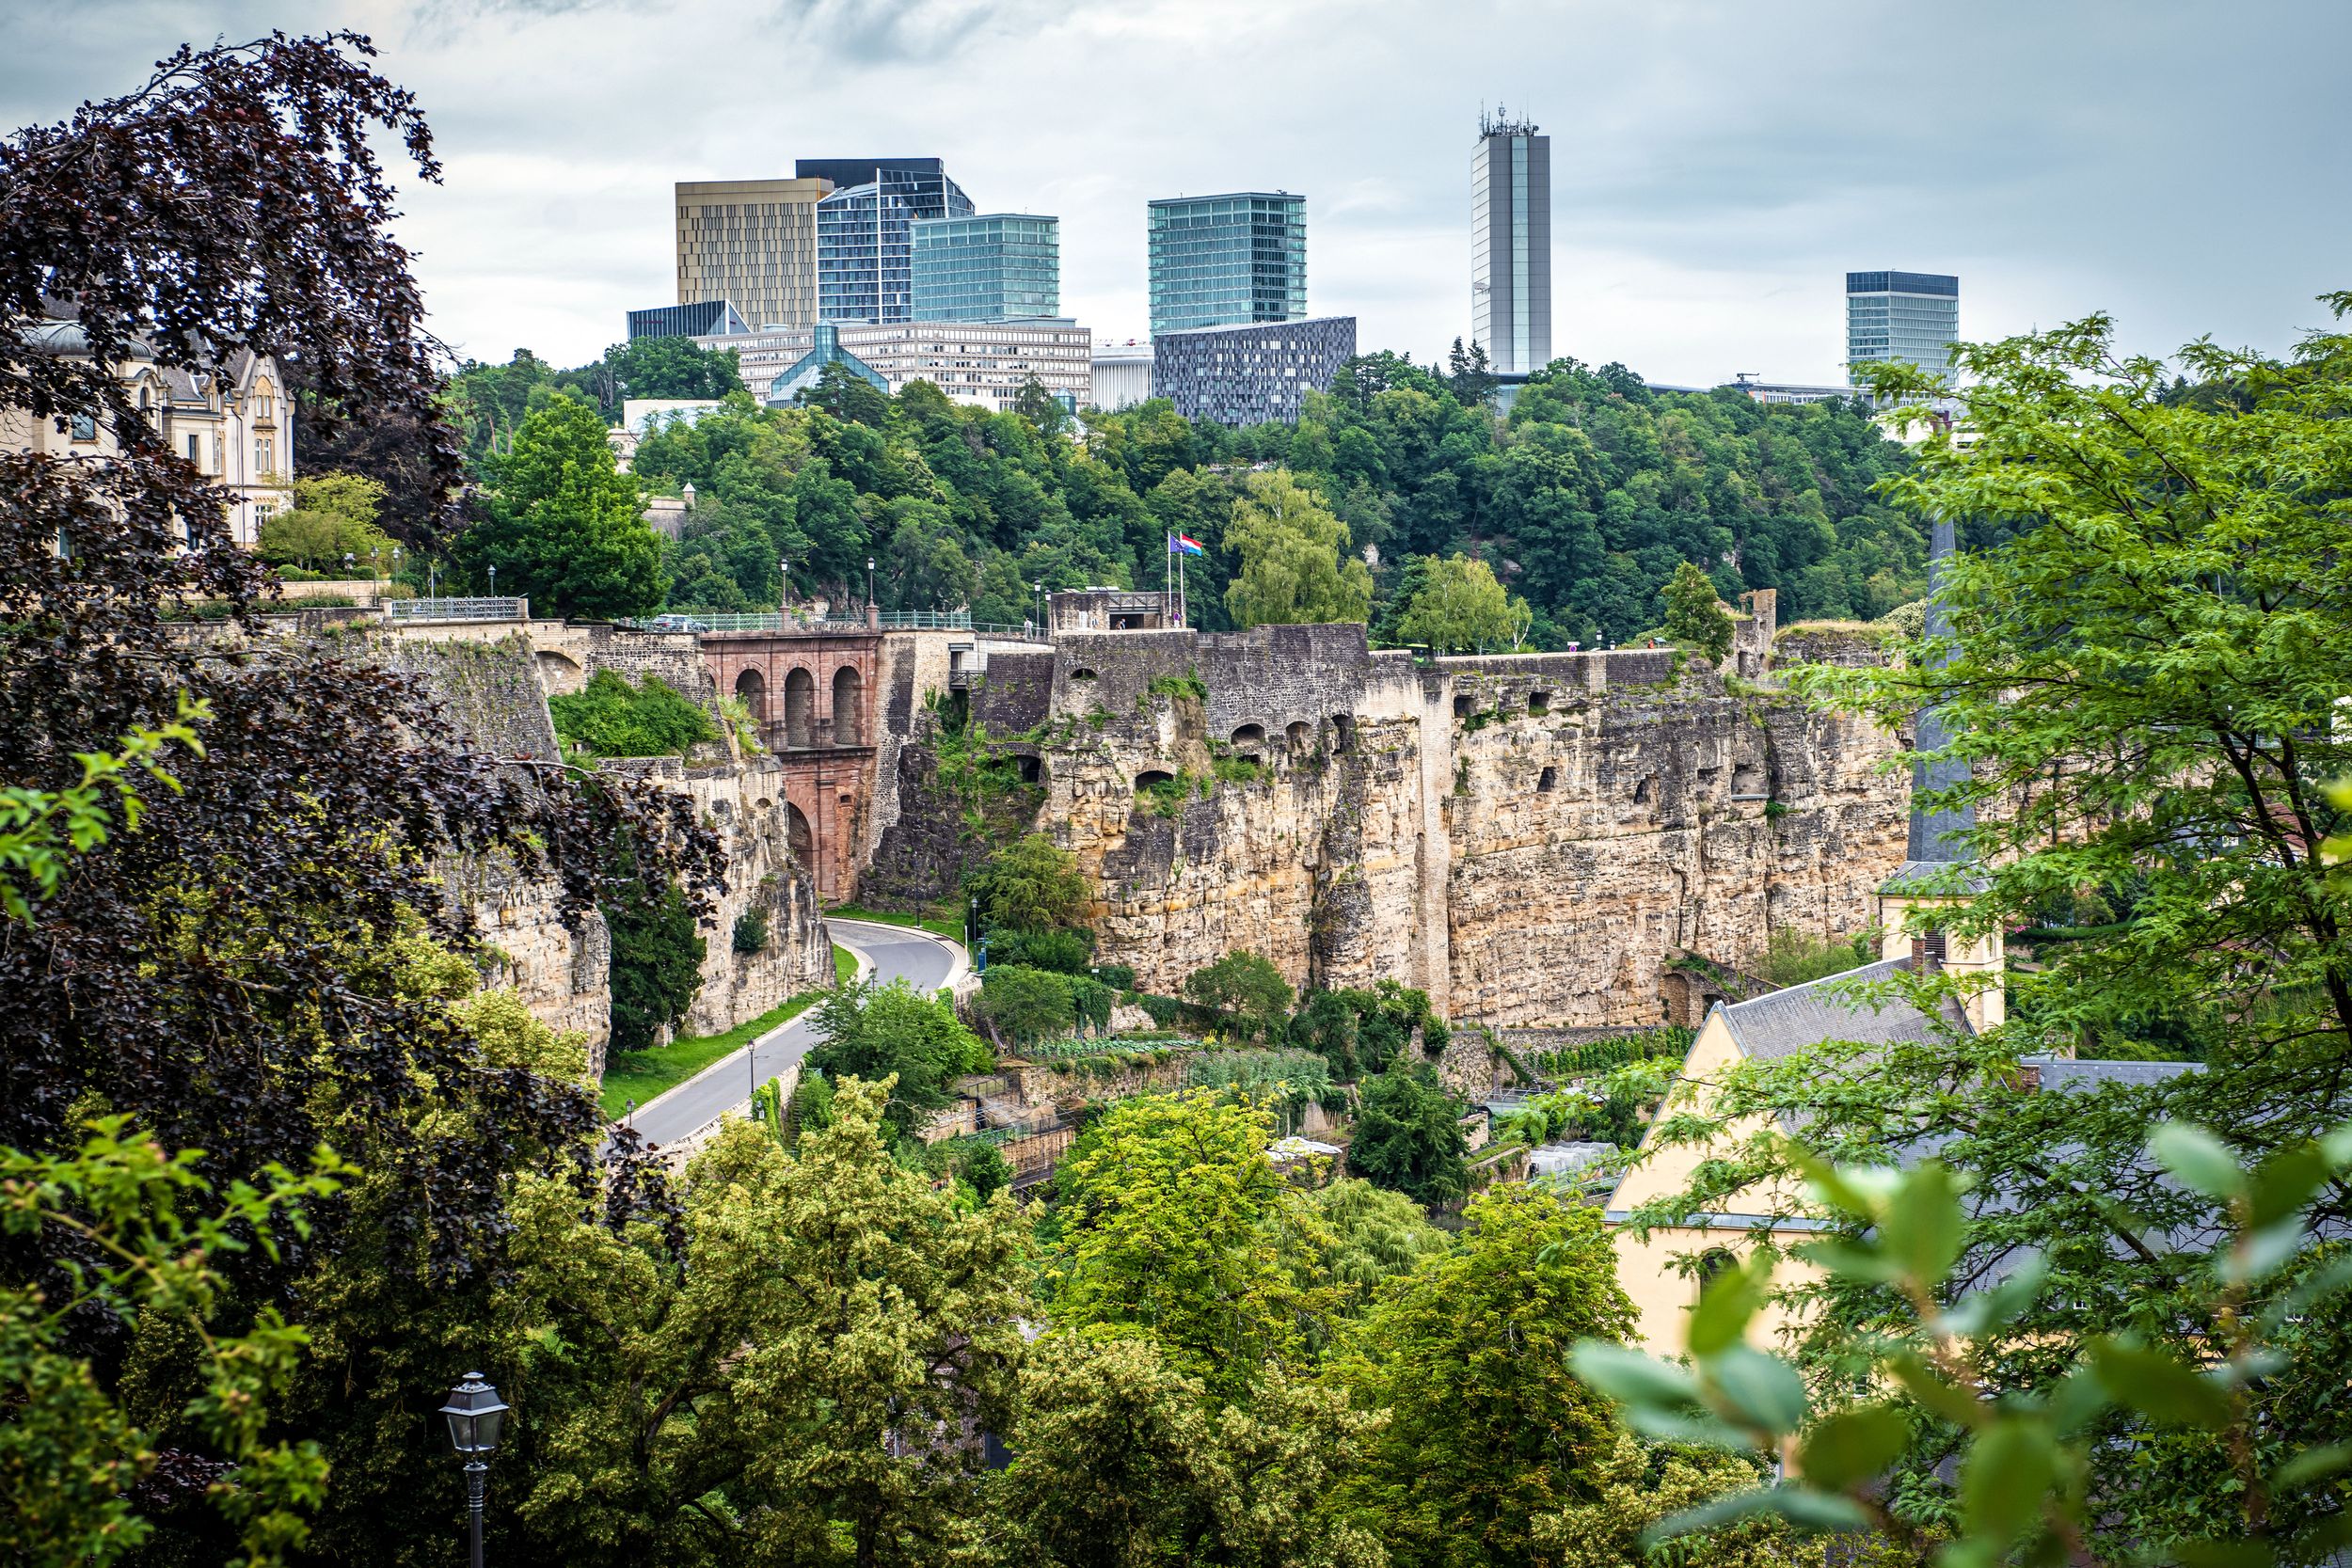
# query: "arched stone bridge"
[811,693]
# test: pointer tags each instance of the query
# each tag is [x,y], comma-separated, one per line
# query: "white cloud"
[1716,168]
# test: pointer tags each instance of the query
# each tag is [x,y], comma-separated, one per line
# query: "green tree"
[1695,618]
[1636,1486]
[72,1451]
[1165,1203]
[1024,1006]
[1243,992]
[656,970]
[1460,606]
[1034,884]
[1120,1462]
[1294,566]
[333,516]
[1408,1136]
[889,1033]
[1488,1428]
[564,527]
[746,1381]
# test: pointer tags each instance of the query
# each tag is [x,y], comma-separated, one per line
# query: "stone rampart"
[1529,838]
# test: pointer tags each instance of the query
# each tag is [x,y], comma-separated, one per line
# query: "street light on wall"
[783,570]
[870,580]
[475,1412]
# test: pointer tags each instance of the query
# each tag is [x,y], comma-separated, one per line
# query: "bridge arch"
[752,689]
[800,708]
[849,706]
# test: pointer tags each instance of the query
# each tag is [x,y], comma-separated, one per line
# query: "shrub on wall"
[751,931]
[612,718]
[1024,1006]
[657,965]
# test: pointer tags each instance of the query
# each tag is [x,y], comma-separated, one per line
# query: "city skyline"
[1723,177]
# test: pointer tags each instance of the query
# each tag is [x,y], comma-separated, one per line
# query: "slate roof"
[1946,878]
[1782,1022]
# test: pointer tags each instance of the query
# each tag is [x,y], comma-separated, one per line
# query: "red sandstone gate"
[812,695]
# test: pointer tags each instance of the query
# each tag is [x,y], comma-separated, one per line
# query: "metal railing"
[889,620]
[458,609]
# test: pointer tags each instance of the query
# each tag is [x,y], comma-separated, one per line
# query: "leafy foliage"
[565,527]
[334,517]
[1695,618]
[1487,1427]
[1408,1136]
[889,1033]
[1456,606]
[1242,992]
[1033,885]
[610,717]
[1295,563]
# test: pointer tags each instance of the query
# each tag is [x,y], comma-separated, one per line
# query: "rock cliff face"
[1531,839]
[494,690]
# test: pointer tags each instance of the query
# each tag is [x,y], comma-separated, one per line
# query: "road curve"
[922,961]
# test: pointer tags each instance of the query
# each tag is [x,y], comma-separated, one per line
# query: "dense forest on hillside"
[1583,501]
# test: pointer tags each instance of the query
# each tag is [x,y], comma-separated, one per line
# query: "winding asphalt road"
[922,961]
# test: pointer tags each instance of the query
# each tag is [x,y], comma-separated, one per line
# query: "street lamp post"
[783,570]
[475,1412]
[494,583]
[869,582]
[1040,586]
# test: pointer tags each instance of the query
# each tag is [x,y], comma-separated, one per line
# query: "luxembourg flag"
[1185,544]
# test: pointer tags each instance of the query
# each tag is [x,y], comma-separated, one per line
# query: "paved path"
[898,953]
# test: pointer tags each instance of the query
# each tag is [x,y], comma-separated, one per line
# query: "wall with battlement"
[1530,838]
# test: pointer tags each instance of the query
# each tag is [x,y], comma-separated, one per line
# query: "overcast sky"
[1716,167]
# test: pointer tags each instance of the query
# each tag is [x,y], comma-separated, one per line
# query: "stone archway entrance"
[754,692]
[800,709]
[847,708]
[798,838]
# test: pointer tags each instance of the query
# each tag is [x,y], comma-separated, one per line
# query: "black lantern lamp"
[475,1413]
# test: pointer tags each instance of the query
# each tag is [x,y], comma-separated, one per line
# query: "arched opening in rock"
[1250,735]
[1343,729]
[798,839]
[1300,738]
[800,709]
[1538,704]
[754,692]
[1549,780]
[1153,776]
[847,720]
[1640,791]
[559,674]
[1462,706]
[1082,674]
[1031,769]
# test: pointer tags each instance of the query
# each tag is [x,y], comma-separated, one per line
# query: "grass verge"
[948,928]
[843,966]
[640,1075]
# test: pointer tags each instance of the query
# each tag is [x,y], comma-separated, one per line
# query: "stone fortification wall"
[487,681]
[1531,839]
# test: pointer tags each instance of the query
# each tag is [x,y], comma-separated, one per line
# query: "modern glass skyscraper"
[993,267]
[865,244]
[1227,260]
[1511,244]
[1910,316]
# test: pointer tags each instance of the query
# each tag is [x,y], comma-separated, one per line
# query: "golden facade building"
[752,241]
[232,422]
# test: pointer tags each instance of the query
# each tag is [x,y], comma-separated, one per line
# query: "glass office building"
[1910,316]
[993,267]
[1227,260]
[1511,244]
[865,239]
[709,317]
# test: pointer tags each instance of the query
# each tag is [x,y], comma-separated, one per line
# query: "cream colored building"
[233,423]
[752,242]
[982,363]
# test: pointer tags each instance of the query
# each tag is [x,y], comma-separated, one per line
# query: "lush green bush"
[1163,1010]
[1064,952]
[985,1170]
[1242,993]
[1408,1136]
[1290,1081]
[1359,1032]
[1024,1006]
[878,1032]
[1795,957]
[612,718]
[1033,885]
[1573,1061]
[657,965]
[1120,977]
[751,931]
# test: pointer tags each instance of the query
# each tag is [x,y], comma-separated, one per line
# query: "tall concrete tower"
[1511,242]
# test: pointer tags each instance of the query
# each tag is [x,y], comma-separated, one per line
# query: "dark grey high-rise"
[1511,244]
